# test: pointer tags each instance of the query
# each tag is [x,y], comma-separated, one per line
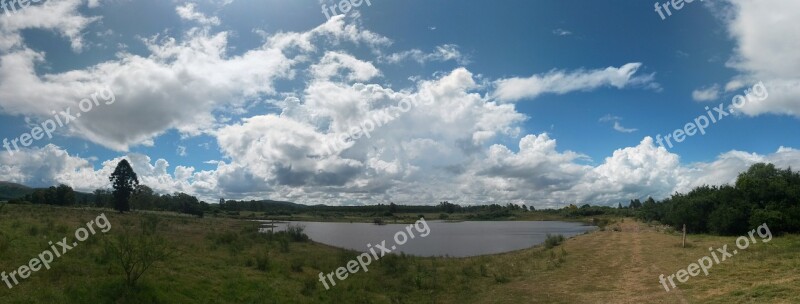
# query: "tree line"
[125,195]
[762,194]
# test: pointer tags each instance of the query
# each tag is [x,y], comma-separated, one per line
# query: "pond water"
[454,239]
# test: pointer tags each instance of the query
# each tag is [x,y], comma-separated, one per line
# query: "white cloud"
[617,125]
[609,117]
[445,147]
[706,94]
[59,16]
[179,85]
[188,12]
[444,52]
[538,174]
[561,32]
[561,82]
[767,41]
[332,62]
[620,128]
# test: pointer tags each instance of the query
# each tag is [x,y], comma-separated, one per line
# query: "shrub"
[136,252]
[296,233]
[553,240]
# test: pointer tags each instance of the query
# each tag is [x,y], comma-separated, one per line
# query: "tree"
[102,198]
[124,181]
[65,196]
[143,198]
[136,252]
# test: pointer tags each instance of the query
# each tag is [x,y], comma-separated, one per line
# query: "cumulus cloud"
[538,174]
[59,16]
[448,144]
[178,86]
[562,82]
[767,41]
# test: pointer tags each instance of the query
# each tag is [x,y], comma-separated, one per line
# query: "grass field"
[226,261]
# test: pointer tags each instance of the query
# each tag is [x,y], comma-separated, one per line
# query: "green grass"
[225,260]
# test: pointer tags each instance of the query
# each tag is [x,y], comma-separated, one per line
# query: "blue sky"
[531,102]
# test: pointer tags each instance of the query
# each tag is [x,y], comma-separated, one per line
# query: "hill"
[9,190]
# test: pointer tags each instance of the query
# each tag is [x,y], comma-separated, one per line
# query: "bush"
[296,233]
[136,252]
[553,240]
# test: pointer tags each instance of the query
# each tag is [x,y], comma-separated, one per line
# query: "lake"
[454,239]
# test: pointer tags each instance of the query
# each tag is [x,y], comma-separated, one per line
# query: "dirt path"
[603,267]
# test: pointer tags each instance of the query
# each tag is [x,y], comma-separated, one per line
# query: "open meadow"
[220,260]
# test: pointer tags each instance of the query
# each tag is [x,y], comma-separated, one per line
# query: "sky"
[543,103]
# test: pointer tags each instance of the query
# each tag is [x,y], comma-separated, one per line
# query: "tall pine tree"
[124,181]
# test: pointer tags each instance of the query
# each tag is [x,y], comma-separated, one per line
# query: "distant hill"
[10,190]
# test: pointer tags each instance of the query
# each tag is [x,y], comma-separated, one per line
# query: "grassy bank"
[224,260]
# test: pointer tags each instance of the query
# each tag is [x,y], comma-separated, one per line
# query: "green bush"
[553,240]
[137,251]
[296,233]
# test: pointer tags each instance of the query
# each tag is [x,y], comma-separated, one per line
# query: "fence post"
[684,236]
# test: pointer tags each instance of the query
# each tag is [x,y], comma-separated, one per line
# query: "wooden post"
[684,235]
